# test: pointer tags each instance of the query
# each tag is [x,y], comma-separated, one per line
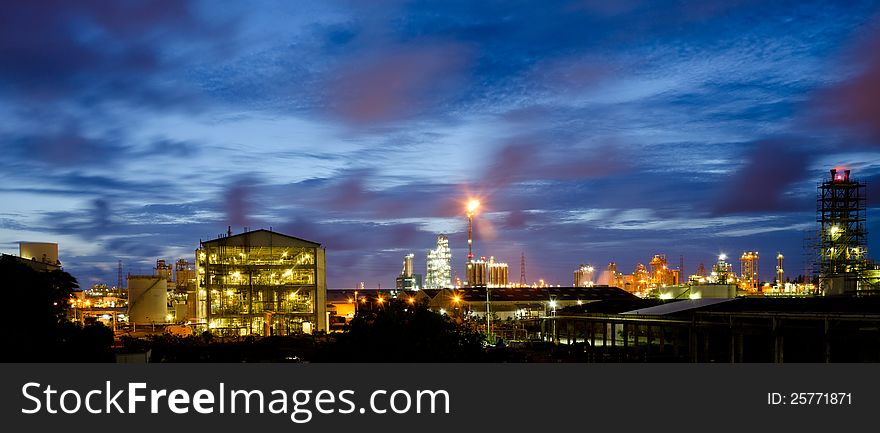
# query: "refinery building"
[261,283]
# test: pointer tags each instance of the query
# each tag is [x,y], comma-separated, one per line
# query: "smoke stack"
[229,231]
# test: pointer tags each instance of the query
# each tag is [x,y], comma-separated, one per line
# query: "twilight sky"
[591,130]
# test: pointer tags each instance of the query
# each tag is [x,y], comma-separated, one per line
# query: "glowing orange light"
[472,205]
[456,299]
[411,300]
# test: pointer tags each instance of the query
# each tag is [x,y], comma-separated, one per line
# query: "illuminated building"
[439,265]
[842,239]
[262,282]
[509,303]
[722,272]
[482,273]
[612,278]
[583,276]
[407,280]
[749,271]
[661,275]
[637,282]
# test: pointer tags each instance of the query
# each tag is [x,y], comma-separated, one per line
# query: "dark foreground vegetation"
[39,330]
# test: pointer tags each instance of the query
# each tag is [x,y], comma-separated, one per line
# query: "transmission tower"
[522,269]
[119,275]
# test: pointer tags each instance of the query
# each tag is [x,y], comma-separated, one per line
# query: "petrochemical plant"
[266,283]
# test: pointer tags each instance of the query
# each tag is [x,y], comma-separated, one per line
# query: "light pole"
[472,206]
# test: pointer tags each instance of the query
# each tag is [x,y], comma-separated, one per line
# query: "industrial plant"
[263,283]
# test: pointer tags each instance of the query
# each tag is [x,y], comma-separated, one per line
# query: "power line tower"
[119,275]
[522,269]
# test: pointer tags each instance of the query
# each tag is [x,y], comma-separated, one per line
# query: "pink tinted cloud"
[397,82]
[855,103]
[760,185]
[530,160]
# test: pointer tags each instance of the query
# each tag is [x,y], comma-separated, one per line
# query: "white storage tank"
[45,252]
[147,299]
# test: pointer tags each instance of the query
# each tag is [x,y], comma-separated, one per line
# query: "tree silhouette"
[399,332]
[39,330]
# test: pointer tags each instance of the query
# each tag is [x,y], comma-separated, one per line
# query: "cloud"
[94,50]
[68,148]
[238,203]
[765,178]
[854,103]
[397,82]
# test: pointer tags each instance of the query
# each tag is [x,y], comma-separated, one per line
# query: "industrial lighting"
[722,256]
[472,205]
[411,300]
[456,298]
[552,304]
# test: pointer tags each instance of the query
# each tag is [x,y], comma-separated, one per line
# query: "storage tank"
[45,252]
[147,299]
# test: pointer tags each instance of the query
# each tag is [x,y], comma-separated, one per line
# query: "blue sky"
[592,131]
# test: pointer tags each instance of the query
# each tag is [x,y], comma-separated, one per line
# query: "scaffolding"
[841,209]
[262,289]
[749,271]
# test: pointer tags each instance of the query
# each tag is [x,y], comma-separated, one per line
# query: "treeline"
[37,303]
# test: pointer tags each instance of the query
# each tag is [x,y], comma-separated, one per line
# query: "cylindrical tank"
[40,251]
[147,299]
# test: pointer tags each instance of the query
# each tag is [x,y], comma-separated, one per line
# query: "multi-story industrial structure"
[611,277]
[407,280]
[262,282]
[842,235]
[164,270]
[439,265]
[661,274]
[583,276]
[748,279]
[637,282]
